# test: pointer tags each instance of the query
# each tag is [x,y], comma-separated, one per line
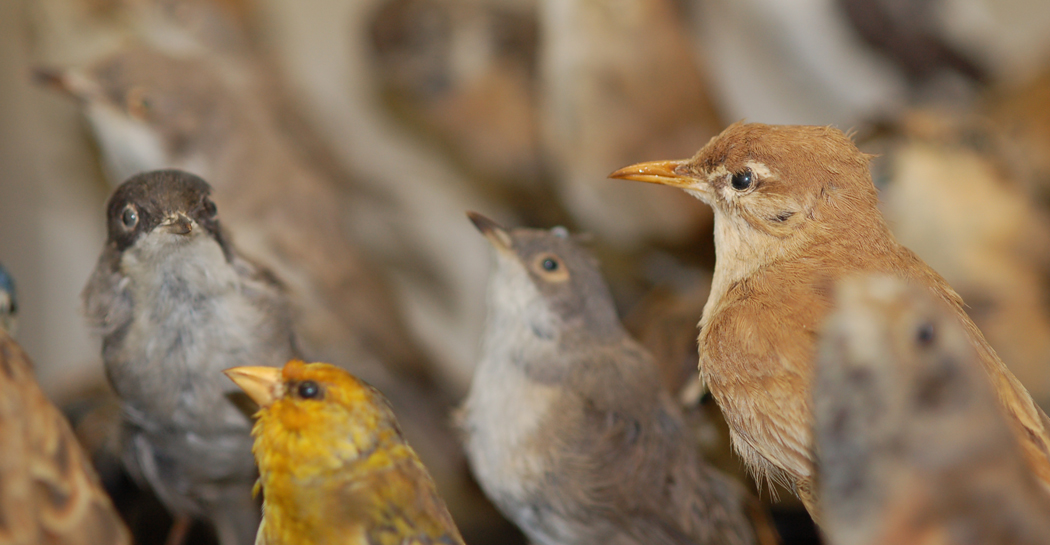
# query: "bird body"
[333,465]
[912,446]
[49,493]
[795,210]
[175,305]
[568,426]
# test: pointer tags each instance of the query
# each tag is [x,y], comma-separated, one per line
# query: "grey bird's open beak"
[178,224]
[493,231]
[657,172]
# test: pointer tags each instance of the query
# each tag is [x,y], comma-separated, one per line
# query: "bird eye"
[138,104]
[741,180]
[130,218]
[309,389]
[926,334]
[209,208]
[550,267]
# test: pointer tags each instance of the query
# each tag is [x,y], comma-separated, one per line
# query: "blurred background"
[403,114]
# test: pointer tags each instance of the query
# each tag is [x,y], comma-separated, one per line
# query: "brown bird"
[49,493]
[568,427]
[912,448]
[333,465]
[795,210]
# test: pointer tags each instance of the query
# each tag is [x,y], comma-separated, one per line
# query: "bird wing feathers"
[49,492]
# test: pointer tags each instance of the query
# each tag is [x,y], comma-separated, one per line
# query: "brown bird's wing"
[752,345]
[49,492]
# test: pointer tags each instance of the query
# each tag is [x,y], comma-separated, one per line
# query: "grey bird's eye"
[550,264]
[741,180]
[130,218]
[209,208]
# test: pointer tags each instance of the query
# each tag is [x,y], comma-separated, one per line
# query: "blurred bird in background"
[49,493]
[333,465]
[567,425]
[796,210]
[912,444]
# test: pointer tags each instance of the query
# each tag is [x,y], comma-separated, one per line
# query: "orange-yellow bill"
[262,384]
[655,172]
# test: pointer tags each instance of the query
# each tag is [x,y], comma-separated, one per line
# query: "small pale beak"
[70,82]
[178,224]
[493,231]
[657,172]
[262,384]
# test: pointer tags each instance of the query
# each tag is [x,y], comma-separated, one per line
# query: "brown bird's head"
[148,109]
[547,282]
[771,180]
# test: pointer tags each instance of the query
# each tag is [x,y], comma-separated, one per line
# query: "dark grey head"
[567,289]
[176,201]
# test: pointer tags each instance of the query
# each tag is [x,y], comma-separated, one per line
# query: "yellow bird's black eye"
[309,389]
[741,180]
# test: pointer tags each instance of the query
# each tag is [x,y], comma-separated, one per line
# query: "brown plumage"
[568,427]
[795,210]
[49,492]
[912,448]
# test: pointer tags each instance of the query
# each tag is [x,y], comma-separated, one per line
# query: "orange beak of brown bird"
[493,231]
[262,384]
[658,172]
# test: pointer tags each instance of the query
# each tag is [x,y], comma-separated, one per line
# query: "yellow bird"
[333,466]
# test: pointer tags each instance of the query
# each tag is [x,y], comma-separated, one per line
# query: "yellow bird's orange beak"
[656,172]
[262,384]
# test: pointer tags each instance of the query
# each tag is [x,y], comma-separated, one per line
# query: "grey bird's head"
[8,302]
[546,281]
[154,213]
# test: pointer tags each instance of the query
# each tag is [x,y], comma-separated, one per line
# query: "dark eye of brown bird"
[129,217]
[925,334]
[741,180]
[309,389]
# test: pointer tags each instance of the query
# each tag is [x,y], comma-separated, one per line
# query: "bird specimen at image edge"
[333,466]
[911,445]
[795,210]
[175,304]
[568,426]
[49,493]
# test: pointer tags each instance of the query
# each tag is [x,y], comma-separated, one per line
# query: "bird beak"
[178,224]
[657,172]
[493,231]
[70,82]
[262,384]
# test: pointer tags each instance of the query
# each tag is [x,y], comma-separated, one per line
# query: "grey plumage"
[568,426]
[175,305]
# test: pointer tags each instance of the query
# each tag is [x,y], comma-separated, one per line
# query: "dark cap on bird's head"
[771,175]
[170,199]
[564,273]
